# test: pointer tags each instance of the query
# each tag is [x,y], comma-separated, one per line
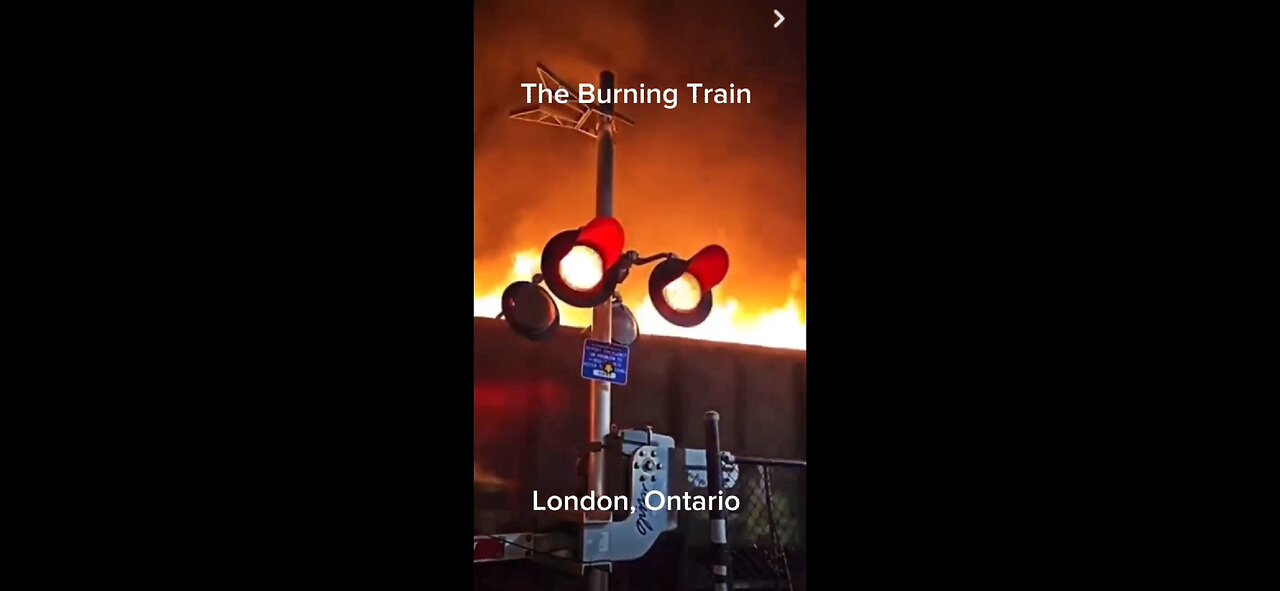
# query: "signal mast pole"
[602,315]
[601,318]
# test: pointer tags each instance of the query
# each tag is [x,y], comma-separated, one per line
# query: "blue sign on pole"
[605,362]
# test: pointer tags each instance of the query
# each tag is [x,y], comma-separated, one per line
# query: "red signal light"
[681,290]
[579,266]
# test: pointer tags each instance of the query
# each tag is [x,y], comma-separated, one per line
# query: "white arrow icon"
[780,19]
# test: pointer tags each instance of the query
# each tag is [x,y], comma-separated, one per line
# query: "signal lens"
[582,269]
[683,294]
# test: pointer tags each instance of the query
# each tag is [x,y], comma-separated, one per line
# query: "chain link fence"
[767,534]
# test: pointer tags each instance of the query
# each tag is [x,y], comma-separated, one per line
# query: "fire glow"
[729,322]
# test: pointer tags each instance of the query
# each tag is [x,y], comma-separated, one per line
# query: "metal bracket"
[580,117]
[693,462]
[655,467]
[632,537]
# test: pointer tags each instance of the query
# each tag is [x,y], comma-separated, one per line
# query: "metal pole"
[720,575]
[602,316]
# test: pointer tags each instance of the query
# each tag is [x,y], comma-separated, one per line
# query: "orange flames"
[730,320]
[733,175]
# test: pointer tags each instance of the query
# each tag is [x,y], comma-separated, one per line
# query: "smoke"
[685,177]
